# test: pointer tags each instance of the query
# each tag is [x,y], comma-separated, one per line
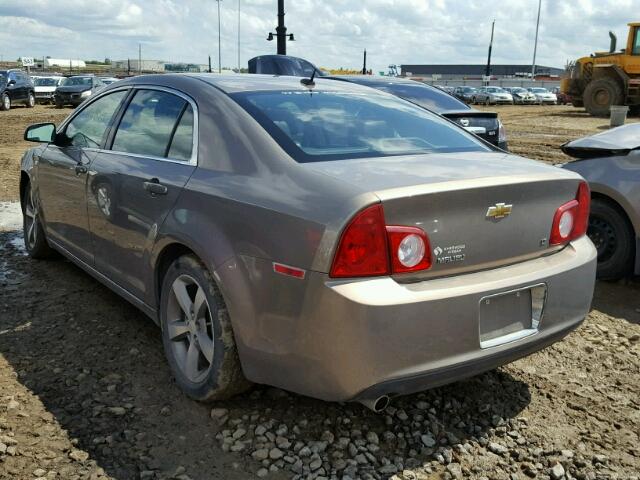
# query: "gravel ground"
[85,392]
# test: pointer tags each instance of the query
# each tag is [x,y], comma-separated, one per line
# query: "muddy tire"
[600,94]
[197,334]
[611,233]
[31,100]
[35,240]
[5,102]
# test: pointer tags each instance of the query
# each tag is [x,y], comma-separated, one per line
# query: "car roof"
[246,82]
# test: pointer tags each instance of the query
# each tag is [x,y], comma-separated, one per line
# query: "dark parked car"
[75,90]
[16,87]
[610,162]
[464,93]
[484,124]
[563,98]
[324,238]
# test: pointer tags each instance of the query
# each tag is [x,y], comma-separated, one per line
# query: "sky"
[330,33]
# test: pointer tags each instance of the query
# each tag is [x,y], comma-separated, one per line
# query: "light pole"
[238,36]
[488,69]
[219,45]
[281,31]
[535,45]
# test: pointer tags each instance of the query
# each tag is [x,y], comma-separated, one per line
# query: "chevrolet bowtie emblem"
[499,210]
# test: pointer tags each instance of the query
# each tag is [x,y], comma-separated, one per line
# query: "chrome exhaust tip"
[376,405]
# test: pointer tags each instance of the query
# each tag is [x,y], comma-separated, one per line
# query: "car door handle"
[154,187]
[80,169]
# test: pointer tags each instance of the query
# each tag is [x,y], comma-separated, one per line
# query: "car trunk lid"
[479,211]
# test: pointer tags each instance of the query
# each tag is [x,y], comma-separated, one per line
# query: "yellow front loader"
[608,78]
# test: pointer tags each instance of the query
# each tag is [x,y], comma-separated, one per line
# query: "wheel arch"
[165,257]
[611,71]
[25,180]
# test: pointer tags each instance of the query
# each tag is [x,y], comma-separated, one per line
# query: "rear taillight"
[571,219]
[502,133]
[409,249]
[368,247]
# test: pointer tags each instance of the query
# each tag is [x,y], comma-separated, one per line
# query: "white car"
[544,96]
[523,97]
[492,96]
[45,88]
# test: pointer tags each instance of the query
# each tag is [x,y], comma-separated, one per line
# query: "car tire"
[35,240]
[59,104]
[600,94]
[197,334]
[613,237]
[6,102]
[31,100]
[487,101]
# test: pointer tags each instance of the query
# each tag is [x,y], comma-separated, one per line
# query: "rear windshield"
[424,96]
[318,126]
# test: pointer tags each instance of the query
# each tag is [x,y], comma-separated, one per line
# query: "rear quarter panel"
[617,178]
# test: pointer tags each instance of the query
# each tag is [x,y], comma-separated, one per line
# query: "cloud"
[329,33]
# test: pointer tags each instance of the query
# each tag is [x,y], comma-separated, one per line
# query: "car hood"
[388,173]
[73,88]
[39,88]
[617,141]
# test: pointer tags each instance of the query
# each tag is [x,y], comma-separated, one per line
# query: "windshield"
[518,90]
[424,96]
[77,81]
[46,82]
[495,90]
[468,89]
[320,126]
[539,90]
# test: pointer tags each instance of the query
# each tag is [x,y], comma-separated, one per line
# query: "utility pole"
[281,31]
[535,45]
[140,58]
[364,63]
[219,45]
[488,70]
[238,36]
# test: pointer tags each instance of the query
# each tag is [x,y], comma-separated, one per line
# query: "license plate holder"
[509,316]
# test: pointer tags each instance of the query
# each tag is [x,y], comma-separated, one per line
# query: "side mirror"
[40,132]
[11,82]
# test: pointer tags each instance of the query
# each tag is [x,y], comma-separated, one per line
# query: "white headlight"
[86,93]
[411,250]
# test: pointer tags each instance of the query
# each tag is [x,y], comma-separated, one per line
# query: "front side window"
[636,42]
[149,124]
[317,126]
[87,129]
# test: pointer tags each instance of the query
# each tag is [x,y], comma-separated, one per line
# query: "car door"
[135,183]
[62,174]
[13,88]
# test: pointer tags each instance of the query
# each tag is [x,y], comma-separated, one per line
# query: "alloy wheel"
[189,328]
[7,102]
[31,220]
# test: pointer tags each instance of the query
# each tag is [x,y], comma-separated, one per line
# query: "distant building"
[133,64]
[64,63]
[445,72]
[186,67]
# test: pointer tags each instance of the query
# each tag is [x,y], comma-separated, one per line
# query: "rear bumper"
[358,339]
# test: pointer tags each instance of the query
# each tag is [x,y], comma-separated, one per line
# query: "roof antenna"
[309,81]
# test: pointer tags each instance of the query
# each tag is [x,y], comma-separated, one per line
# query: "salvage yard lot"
[85,391]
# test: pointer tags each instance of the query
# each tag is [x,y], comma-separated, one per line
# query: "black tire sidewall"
[2,102]
[41,247]
[620,262]
[191,266]
[615,93]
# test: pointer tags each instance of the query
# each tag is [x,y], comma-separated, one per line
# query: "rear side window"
[87,129]
[317,126]
[151,121]
[182,143]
